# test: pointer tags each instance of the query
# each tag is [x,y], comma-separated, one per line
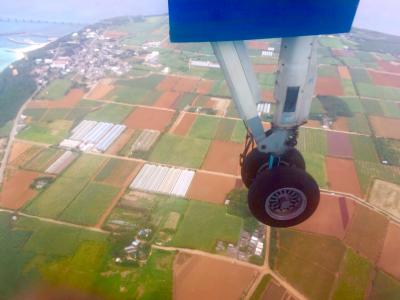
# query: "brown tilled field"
[341,124]
[267,96]
[168,83]
[184,125]
[339,145]
[342,176]
[259,45]
[69,101]
[25,156]
[186,84]
[100,91]
[274,292]
[385,127]
[389,259]
[16,189]
[149,118]
[329,86]
[211,187]
[344,72]
[17,149]
[204,86]
[332,217]
[366,232]
[389,66]
[167,99]
[265,68]
[223,157]
[201,277]
[385,79]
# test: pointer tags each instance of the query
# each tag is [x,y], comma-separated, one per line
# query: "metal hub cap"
[286,204]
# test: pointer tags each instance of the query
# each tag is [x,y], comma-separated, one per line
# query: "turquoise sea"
[17,35]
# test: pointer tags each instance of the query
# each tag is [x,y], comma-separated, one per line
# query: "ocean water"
[19,35]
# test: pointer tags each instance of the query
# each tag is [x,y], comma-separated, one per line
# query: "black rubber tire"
[270,181]
[256,162]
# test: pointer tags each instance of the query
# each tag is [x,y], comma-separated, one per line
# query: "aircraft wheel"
[256,162]
[283,197]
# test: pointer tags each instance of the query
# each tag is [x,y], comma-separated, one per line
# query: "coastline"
[13,55]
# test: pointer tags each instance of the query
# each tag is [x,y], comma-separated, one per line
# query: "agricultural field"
[111,113]
[47,133]
[43,160]
[308,262]
[56,89]
[52,201]
[215,225]
[180,151]
[312,141]
[389,150]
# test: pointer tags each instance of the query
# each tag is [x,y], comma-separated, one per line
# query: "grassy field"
[181,151]
[184,100]
[90,204]
[315,164]
[368,171]
[364,148]
[375,91]
[54,114]
[312,141]
[354,105]
[372,107]
[204,224]
[354,277]
[327,71]
[148,83]
[384,287]
[43,160]
[390,109]
[204,127]
[239,132]
[348,88]
[112,113]
[56,89]
[48,133]
[360,75]
[359,123]
[152,281]
[389,150]
[309,262]
[225,129]
[52,201]
[134,95]
[35,113]
[334,43]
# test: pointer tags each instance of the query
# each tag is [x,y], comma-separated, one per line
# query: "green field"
[152,281]
[368,171]
[381,92]
[239,132]
[327,71]
[185,100]
[372,107]
[204,127]
[331,42]
[180,151]
[52,201]
[354,105]
[48,133]
[390,109]
[204,224]
[112,113]
[315,164]
[148,83]
[56,89]
[359,123]
[389,150]
[360,75]
[134,95]
[384,287]
[225,129]
[348,87]
[309,262]
[43,160]
[354,277]
[312,141]
[35,113]
[90,204]
[364,148]
[54,114]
